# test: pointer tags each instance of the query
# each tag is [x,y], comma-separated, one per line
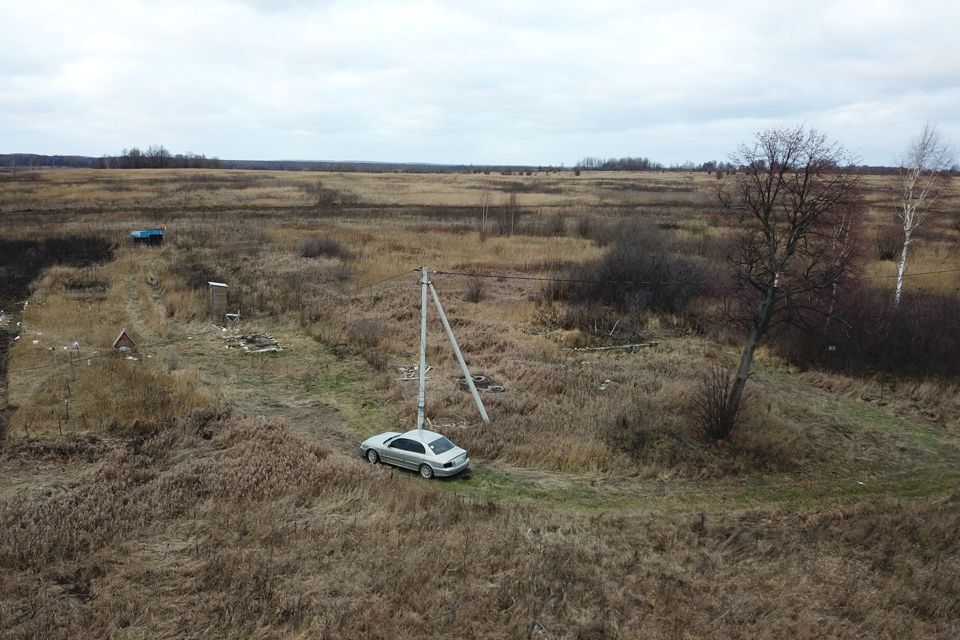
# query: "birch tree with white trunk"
[923,173]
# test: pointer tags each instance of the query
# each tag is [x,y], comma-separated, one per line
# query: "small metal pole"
[422,391]
[463,364]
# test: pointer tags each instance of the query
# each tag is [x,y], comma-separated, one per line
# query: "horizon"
[694,165]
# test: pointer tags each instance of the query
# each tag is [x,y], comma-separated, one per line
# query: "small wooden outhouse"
[124,342]
[217,299]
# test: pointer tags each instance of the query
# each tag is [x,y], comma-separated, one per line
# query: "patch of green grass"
[763,491]
[350,393]
[347,386]
[912,432]
[862,437]
[487,483]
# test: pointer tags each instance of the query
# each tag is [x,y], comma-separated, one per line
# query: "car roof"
[428,436]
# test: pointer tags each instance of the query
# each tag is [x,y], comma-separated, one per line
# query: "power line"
[503,276]
[381,281]
[910,275]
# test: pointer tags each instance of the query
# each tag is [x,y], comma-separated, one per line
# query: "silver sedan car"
[424,451]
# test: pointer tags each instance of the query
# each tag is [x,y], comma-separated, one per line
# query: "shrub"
[365,333]
[375,359]
[322,248]
[583,226]
[193,271]
[643,440]
[920,337]
[639,272]
[327,195]
[888,242]
[475,290]
[710,403]
[508,216]
[543,226]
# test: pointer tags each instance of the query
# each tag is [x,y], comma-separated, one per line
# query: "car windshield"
[441,445]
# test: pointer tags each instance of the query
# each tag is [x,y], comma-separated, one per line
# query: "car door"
[416,454]
[398,452]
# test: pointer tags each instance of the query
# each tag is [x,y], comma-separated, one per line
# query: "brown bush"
[365,333]
[375,358]
[710,403]
[475,290]
[888,241]
[193,270]
[584,226]
[323,248]
[652,444]
[920,337]
[639,272]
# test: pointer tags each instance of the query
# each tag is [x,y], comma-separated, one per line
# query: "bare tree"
[484,212]
[797,205]
[508,216]
[924,167]
[511,212]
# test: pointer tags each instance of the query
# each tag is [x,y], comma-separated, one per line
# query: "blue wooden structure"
[148,236]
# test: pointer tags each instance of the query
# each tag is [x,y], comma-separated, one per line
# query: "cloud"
[498,81]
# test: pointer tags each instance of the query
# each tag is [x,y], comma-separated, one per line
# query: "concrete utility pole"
[463,364]
[422,392]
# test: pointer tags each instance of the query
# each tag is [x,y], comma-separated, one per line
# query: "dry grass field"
[196,490]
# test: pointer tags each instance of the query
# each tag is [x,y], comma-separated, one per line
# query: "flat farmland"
[193,488]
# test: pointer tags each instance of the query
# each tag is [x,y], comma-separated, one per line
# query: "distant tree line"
[713,166]
[619,164]
[646,164]
[19,161]
[156,157]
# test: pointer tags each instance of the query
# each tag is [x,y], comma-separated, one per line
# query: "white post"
[463,364]
[422,392]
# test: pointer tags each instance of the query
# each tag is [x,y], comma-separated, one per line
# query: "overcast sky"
[492,81]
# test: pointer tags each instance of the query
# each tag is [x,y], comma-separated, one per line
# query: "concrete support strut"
[456,350]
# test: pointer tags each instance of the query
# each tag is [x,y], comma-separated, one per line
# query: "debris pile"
[446,424]
[628,348]
[254,343]
[482,383]
[412,372]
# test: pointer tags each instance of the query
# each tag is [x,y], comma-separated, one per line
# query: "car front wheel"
[373,456]
[426,472]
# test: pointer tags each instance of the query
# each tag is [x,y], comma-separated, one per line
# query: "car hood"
[450,455]
[378,440]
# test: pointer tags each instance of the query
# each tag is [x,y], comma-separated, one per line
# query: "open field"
[199,490]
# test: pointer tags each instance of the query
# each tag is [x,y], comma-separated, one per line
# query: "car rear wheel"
[373,456]
[426,472]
